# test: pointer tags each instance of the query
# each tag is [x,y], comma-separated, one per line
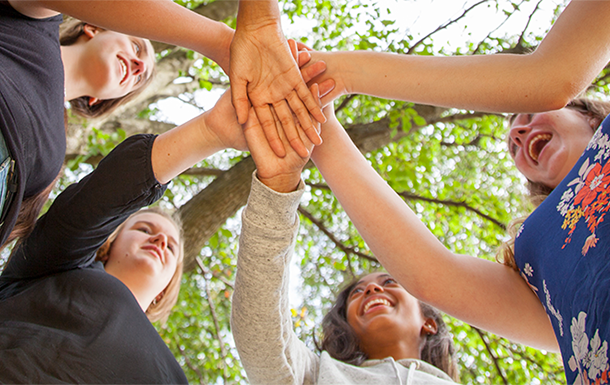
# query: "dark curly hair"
[342,343]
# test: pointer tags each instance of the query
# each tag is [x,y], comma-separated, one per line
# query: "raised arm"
[130,177]
[160,20]
[572,54]
[265,75]
[483,293]
[260,317]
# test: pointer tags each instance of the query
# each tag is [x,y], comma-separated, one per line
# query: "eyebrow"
[171,239]
[384,275]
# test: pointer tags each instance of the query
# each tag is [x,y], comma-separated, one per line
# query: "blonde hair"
[158,310]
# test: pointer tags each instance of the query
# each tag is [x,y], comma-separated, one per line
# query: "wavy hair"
[342,343]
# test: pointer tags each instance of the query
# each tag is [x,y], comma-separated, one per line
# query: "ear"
[90,30]
[429,327]
[93,101]
[594,122]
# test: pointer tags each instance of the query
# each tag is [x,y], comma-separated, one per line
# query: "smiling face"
[547,145]
[116,64]
[383,314]
[145,253]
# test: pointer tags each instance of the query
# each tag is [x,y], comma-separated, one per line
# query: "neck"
[141,291]
[74,83]
[396,349]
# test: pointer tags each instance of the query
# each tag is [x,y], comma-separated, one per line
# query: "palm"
[263,73]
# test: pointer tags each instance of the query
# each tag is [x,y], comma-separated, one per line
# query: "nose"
[518,134]
[137,66]
[373,288]
[159,240]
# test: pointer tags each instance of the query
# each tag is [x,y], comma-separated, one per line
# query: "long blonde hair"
[161,309]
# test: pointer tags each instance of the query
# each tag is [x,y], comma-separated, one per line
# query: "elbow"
[558,95]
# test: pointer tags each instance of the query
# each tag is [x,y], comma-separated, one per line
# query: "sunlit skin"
[395,329]
[144,256]
[106,64]
[546,146]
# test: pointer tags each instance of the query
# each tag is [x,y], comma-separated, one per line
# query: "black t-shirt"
[62,317]
[31,102]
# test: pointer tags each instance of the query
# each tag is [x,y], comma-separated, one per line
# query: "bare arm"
[480,292]
[265,75]
[160,20]
[574,51]
[180,148]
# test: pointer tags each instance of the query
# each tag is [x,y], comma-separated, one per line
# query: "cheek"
[351,314]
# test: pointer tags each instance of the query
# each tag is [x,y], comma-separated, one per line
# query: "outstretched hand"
[223,124]
[281,174]
[264,75]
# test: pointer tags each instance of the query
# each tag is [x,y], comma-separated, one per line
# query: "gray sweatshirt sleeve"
[269,349]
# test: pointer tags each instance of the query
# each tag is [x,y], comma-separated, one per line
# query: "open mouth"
[376,303]
[123,70]
[536,145]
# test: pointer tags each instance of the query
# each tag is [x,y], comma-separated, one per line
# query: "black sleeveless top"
[31,102]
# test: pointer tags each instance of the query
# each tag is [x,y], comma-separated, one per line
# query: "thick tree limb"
[207,211]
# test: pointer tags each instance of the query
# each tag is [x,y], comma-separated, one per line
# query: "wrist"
[284,183]
[207,135]
[256,14]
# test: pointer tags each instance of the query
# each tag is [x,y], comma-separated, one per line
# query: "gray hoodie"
[269,349]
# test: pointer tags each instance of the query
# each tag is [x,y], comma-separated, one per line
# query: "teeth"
[376,301]
[533,142]
[123,69]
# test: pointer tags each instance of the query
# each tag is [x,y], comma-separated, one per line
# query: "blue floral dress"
[563,250]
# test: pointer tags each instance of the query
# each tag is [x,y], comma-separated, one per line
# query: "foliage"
[454,173]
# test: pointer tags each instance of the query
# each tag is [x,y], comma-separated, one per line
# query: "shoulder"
[33,9]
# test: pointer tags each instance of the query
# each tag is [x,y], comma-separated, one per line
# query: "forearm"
[572,54]
[260,318]
[159,20]
[254,14]
[480,292]
[180,148]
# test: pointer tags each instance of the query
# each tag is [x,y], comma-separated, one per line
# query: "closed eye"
[355,291]
[137,49]
[144,229]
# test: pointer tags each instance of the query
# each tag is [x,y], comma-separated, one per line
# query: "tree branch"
[207,271]
[208,295]
[444,26]
[346,249]
[492,355]
[187,360]
[345,102]
[410,196]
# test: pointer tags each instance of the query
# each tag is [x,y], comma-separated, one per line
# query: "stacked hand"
[264,75]
[281,174]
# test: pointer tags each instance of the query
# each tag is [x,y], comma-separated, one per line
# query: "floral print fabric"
[562,251]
